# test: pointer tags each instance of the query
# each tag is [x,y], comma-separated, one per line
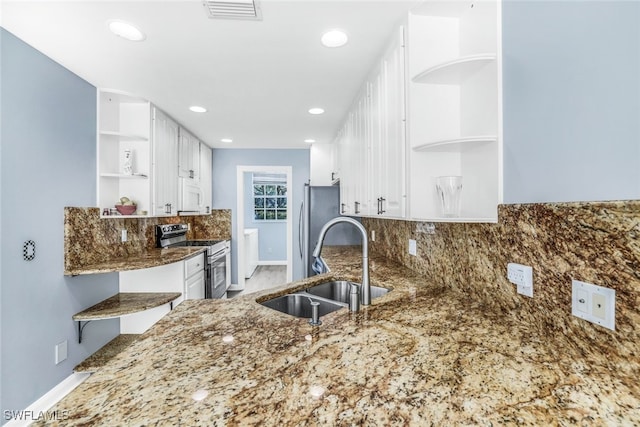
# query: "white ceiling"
[256,78]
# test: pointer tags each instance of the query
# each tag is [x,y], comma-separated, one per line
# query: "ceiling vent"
[233,9]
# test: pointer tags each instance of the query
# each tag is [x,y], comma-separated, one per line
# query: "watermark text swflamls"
[36,415]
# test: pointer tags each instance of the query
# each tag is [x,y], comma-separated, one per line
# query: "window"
[269,197]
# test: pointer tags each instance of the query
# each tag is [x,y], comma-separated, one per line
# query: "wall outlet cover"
[595,304]
[522,276]
[413,247]
[61,352]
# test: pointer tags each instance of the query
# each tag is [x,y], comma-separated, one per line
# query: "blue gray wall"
[571,100]
[48,138]
[225,162]
[272,235]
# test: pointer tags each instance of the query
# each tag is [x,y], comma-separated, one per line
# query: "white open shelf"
[124,176]
[455,144]
[454,71]
[454,123]
[123,136]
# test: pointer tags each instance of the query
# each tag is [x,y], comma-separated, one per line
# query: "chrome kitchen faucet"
[366,288]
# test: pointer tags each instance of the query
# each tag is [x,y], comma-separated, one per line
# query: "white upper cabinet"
[430,108]
[206,177]
[165,165]
[454,107]
[388,148]
[372,141]
[188,156]
[322,164]
[124,127]
[142,154]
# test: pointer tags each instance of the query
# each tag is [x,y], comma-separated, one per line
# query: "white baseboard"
[272,262]
[39,409]
[235,287]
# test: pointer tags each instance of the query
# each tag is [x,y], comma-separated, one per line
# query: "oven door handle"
[220,254]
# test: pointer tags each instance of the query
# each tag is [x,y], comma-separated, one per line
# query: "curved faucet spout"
[366,288]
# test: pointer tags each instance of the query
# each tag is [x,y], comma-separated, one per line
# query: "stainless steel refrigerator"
[322,203]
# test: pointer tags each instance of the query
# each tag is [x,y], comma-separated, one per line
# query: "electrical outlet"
[124,235]
[522,276]
[60,352]
[413,247]
[595,304]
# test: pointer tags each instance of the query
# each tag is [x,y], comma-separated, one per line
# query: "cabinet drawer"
[193,265]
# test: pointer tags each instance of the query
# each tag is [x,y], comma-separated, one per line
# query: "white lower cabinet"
[164,278]
[194,277]
[186,277]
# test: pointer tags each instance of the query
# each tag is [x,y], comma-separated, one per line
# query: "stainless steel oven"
[217,284]
[217,268]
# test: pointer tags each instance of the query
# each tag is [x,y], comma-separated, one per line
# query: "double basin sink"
[332,296]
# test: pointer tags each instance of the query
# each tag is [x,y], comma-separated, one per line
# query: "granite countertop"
[420,355]
[145,259]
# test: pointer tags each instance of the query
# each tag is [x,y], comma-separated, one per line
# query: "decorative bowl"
[126,209]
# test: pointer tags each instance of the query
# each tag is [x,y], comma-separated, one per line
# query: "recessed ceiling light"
[334,38]
[309,141]
[316,110]
[125,30]
[197,109]
[226,140]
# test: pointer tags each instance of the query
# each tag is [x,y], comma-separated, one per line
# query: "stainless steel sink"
[339,291]
[299,305]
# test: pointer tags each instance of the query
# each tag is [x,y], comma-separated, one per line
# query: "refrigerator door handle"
[300,229]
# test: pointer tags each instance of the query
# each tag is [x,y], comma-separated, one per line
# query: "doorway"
[271,205]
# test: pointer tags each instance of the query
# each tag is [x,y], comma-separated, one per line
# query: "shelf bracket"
[81,328]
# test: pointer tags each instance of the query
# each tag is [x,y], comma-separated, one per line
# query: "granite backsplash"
[595,242]
[89,239]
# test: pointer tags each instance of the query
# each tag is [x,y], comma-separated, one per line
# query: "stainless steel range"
[218,266]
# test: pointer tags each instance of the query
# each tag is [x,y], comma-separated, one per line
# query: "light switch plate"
[595,304]
[413,249]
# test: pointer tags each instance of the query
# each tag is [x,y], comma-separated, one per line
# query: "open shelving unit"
[455,117]
[124,123]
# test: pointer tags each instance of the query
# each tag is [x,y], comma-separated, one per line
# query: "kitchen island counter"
[420,355]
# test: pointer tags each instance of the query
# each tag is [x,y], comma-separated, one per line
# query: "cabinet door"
[346,168]
[188,156]
[194,286]
[165,165]
[360,153]
[392,141]
[206,177]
